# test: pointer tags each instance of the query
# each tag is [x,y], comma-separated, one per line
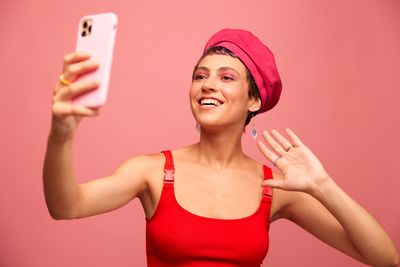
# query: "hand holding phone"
[83,84]
[96,36]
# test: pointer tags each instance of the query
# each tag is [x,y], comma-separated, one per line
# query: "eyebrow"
[219,69]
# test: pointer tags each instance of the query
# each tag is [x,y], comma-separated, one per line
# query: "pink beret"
[258,59]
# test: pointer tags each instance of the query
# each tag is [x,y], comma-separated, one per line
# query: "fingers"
[280,145]
[268,153]
[62,109]
[62,100]
[75,56]
[295,139]
[282,140]
[72,71]
[274,183]
[273,143]
[75,64]
[67,93]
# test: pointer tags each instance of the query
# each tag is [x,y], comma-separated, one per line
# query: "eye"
[227,78]
[200,76]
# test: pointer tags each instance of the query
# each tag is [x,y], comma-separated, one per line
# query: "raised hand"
[66,115]
[300,168]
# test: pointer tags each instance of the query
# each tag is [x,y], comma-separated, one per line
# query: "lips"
[210,102]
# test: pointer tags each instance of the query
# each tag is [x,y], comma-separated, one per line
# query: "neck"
[220,148]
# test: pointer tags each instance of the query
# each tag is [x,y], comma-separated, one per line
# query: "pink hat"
[257,58]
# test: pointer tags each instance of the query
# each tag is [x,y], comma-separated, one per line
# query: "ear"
[254,104]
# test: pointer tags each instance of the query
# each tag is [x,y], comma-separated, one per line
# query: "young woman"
[209,204]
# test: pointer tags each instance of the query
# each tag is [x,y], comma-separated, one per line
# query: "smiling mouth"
[209,102]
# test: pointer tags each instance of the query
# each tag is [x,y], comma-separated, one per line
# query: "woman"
[215,204]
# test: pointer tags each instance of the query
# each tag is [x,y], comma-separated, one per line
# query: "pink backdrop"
[339,62]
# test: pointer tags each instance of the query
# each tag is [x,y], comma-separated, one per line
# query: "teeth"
[209,101]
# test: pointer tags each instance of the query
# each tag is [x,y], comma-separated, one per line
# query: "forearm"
[366,234]
[60,184]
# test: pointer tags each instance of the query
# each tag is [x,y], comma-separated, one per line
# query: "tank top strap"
[169,168]
[267,191]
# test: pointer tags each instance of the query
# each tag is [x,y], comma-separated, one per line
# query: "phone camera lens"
[86,27]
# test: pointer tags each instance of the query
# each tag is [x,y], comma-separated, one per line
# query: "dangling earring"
[197,127]
[253,129]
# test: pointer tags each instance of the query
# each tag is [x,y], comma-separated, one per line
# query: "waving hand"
[300,168]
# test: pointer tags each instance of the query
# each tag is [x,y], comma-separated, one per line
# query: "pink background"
[339,61]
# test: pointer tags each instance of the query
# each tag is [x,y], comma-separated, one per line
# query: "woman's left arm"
[321,207]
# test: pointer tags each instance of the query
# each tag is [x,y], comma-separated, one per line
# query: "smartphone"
[96,35]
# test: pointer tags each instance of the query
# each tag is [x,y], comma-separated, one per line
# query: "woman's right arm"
[65,197]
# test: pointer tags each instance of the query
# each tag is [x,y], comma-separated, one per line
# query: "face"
[219,92]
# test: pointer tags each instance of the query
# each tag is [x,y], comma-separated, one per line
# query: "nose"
[209,85]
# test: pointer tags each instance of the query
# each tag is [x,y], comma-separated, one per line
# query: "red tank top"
[177,237]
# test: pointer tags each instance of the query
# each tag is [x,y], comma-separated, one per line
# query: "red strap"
[169,168]
[267,192]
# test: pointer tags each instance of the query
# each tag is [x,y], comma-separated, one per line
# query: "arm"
[65,198]
[322,208]
[360,226]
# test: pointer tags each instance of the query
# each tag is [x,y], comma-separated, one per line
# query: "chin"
[212,123]
[214,119]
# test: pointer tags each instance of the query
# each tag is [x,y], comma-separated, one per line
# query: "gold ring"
[63,80]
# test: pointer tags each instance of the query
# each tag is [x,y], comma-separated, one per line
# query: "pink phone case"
[96,35]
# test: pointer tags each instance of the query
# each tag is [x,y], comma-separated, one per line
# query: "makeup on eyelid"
[203,74]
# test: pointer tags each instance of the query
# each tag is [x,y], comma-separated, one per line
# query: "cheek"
[192,90]
[237,92]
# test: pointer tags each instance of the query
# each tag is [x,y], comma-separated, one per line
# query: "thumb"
[274,183]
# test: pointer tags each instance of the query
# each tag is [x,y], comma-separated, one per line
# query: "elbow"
[61,210]
[391,258]
[58,217]
[61,215]
[396,261]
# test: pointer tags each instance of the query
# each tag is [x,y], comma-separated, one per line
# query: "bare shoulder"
[137,171]
[143,165]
